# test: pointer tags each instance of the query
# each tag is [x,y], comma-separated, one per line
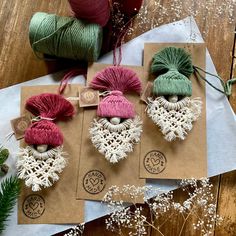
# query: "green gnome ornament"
[172,108]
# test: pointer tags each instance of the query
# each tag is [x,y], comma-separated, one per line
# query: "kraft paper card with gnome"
[173,144]
[111,132]
[48,159]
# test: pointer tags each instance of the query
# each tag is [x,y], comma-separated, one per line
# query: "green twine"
[65,37]
[175,66]
[227,86]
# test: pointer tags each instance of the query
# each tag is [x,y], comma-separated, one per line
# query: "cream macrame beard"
[115,141]
[174,119]
[40,169]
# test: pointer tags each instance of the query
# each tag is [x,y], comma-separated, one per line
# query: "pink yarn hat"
[49,107]
[116,80]
[44,132]
[116,105]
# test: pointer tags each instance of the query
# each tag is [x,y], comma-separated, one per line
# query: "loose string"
[118,44]
[227,86]
[68,76]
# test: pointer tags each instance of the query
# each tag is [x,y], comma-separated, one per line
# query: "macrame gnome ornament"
[172,109]
[41,161]
[118,128]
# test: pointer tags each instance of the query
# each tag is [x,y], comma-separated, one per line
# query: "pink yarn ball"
[93,11]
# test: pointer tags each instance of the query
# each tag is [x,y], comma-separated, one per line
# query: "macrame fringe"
[115,141]
[39,171]
[174,119]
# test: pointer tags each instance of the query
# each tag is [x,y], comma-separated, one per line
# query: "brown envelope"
[58,203]
[178,159]
[96,174]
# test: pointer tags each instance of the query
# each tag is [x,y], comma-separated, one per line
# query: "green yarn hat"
[175,66]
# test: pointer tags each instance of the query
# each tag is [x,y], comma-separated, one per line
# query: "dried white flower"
[200,202]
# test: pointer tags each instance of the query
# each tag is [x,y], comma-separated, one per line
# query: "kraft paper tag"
[19,125]
[178,159]
[147,92]
[96,175]
[88,97]
[56,204]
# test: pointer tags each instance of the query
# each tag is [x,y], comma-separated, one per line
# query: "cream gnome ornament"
[43,159]
[172,108]
[117,127]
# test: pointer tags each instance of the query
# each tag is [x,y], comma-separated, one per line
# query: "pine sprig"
[10,189]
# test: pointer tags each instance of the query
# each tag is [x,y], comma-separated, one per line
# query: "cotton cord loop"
[227,86]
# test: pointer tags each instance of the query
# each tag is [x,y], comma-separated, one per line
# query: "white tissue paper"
[221,123]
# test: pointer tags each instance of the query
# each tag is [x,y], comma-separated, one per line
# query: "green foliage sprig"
[9,192]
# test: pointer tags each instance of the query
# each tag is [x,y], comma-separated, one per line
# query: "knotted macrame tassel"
[117,127]
[40,163]
[172,109]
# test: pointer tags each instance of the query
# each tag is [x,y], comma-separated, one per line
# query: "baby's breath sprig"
[200,205]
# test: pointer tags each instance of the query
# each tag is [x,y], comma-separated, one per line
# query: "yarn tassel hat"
[172,109]
[41,161]
[117,127]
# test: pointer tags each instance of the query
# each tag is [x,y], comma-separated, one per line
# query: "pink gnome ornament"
[117,127]
[41,161]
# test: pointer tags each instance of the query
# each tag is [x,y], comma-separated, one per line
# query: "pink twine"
[68,76]
[93,11]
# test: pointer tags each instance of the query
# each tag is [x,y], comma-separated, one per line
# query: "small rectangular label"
[19,125]
[88,97]
[147,92]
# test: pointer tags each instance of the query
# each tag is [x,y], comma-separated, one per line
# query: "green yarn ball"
[175,66]
[65,37]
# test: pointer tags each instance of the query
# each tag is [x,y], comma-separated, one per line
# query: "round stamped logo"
[88,96]
[22,124]
[33,206]
[94,182]
[155,162]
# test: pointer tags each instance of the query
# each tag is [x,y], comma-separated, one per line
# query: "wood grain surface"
[18,63]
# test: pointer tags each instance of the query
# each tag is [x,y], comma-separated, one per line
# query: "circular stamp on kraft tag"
[33,206]
[155,162]
[94,182]
[22,124]
[89,96]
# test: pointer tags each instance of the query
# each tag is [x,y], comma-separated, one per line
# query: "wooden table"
[18,64]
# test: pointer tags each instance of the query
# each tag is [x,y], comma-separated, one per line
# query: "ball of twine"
[93,11]
[65,37]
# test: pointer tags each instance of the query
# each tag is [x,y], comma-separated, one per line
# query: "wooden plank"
[233,74]
[227,192]
[226,205]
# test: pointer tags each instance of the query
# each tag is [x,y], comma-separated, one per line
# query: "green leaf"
[4,153]
[9,192]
